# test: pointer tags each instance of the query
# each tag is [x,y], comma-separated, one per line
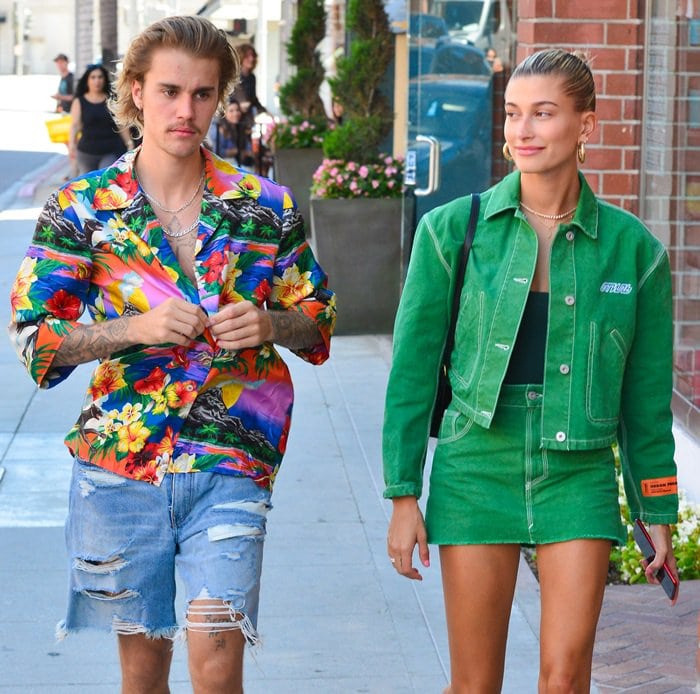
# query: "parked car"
[426,26]
[453,58]
[457,111]
[481,23]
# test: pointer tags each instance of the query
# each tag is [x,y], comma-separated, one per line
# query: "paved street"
[334,617]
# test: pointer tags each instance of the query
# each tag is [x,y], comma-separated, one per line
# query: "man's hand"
[241,325]
[175,320]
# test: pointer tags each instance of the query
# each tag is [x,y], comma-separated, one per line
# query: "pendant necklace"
[555,218]
[172,229]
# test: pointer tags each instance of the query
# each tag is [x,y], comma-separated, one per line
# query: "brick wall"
[611,33]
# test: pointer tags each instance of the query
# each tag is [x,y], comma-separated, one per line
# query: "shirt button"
[532,395]
[569,300]
[564,368]
[561,436]
[570,235]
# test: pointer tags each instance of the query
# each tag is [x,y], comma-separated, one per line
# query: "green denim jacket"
[608,363]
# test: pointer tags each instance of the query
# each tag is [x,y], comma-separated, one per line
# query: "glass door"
[450,96]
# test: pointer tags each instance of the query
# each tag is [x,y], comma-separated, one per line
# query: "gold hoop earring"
[506,153]
[581,152]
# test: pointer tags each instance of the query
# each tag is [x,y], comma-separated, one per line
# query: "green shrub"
[299,96]
[367,111]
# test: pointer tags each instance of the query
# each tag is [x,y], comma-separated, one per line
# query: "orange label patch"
[660,486]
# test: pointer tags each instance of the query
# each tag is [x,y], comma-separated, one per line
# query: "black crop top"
[527,360]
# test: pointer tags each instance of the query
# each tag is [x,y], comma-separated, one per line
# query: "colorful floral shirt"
[150,410]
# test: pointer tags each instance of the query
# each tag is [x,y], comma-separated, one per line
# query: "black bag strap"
[461,269]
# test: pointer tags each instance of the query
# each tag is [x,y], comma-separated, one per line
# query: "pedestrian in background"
[95,139]
[246,94]
[192,272]
[563,348]
[230,136]
[64,93]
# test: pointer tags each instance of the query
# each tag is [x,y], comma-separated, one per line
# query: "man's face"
[178,97]
[61,65]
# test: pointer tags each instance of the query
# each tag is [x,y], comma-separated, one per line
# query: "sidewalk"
[334,616]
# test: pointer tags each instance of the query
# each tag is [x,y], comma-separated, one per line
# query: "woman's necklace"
[173,228]
[555,218]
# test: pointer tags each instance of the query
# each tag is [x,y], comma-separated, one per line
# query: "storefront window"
[670,180]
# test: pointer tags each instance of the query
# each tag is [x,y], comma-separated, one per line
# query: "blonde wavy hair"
[192,34]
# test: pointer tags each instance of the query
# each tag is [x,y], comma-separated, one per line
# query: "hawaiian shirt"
[150,410]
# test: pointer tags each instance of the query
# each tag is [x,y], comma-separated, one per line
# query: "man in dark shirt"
[64,95]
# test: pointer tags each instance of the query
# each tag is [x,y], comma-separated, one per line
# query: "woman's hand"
[661,537]
[406,530]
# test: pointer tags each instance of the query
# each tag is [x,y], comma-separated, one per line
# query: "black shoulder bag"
[444,391]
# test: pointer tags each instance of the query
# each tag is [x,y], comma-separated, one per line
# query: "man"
[191,271]
[64,95]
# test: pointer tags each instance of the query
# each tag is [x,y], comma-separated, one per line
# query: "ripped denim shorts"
[125,539]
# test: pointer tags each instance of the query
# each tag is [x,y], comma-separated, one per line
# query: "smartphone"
[668,581]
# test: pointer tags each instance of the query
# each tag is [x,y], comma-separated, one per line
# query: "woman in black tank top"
[95,139]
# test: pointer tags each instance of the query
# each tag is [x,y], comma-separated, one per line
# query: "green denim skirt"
[497,485]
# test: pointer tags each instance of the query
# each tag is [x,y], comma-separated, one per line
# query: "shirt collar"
[506,196]
[117,187]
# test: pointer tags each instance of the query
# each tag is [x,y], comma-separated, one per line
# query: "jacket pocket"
[455,425]
[607,354]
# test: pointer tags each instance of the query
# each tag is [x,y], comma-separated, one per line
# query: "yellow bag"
[59,129]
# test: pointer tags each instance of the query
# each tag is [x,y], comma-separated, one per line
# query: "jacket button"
[569,300]
[532,395]
[561,436]
[570,235]
[564,368]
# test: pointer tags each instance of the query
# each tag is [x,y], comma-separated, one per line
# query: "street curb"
[25,189]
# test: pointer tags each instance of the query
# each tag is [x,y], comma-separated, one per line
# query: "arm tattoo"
[90,342]
[294,330]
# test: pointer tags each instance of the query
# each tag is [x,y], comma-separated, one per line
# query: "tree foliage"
[357,85]
[299,96]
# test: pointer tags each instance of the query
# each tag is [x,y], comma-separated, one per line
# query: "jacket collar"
[506,196]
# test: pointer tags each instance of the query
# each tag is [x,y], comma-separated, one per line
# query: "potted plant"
[356,196]
[297,138]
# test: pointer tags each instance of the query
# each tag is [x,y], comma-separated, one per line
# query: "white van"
[482,23]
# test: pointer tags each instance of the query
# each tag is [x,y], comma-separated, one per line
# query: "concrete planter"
[294,169]
[358,243]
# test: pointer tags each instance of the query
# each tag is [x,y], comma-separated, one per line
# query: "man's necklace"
[174,232]
[555,218]
[173,229]
[161,206]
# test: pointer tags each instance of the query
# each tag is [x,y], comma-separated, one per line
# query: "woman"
[563,347]
[231,137]
[95,140]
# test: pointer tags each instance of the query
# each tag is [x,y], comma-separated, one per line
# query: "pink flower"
[364,171]
[339,179]
[375,184]
[352,166]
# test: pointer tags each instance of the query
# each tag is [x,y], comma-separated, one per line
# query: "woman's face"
[233,113]
[96,81]
[542,128]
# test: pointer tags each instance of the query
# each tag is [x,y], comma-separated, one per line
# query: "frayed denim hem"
[120,628]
